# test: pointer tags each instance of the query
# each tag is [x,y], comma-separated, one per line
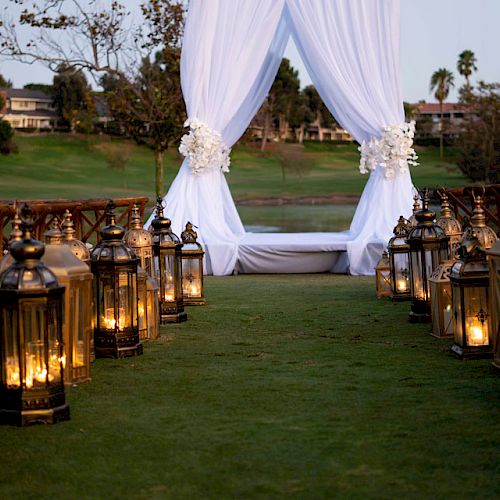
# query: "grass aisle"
[302,385]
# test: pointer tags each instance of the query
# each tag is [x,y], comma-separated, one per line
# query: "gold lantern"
[412,221]
[450,225]
[77,247]
[76,277]
[441,301]
[469,278]
[167,264]
[428,248]
[148,306]
[493,256]
[383,276]
[192,268]
[484,234]
[141,241]
[15,235]
[114,265]
[399,261]
[31,341]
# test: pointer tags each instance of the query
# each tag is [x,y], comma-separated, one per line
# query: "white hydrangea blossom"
[204,148]
[393,151]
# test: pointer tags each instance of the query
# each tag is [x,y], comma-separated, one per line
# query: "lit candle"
[402,285]
[477,332]
[13,377]
[169,297]
[109,320]
[194,290]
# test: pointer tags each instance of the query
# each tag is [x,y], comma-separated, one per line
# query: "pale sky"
[433,33]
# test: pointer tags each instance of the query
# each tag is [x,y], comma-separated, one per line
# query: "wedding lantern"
[451,227]
[15,235]
[192,268]
[412,221]
[484,234]
[77,247]
[141,241]
[148,307]
[168,268]
[383,276]
[31,342]
[114,265]
[441,301]
[469,280]
[399,261]
[493,256]
[76,277]
[428,248]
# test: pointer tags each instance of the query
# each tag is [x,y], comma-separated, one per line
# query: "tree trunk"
[159,172]
[441,146]
[265,132]
[301,134]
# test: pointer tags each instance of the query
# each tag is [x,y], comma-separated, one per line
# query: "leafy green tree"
[441,82]
[6,132]
[478,143]
[6,84]
[283,97]
[73,98]
[44,87]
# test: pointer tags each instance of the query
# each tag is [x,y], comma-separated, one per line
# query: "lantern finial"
[484,233]
[53,236]
[112,231]
[136,222]
[445,206]
[189,235]
[27,249]
[16,234]
[68,227]
[478,218]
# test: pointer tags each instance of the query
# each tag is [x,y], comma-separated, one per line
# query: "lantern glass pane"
[143,309]
[56,357]
[79,325]
[476,324]
[446,304]
[126,296]
[457,314]
[191,277]
[385,281]
[11,376]
[107,302]
[33,324]
[416,276]
[147,261]
[168,278]
[401,272]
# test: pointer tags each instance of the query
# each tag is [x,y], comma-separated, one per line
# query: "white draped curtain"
[230,56]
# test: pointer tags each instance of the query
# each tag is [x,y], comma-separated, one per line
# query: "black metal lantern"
[450,225]
[192,268]
[141,241]
[399,261]
[383,286]
[31,339]
[494,320]
[167,261]
[428,248]
[114,265]
[469,278]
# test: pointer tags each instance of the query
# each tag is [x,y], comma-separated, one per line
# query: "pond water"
[296,218]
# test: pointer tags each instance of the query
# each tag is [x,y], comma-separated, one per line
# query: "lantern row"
[57,315]
[450,275]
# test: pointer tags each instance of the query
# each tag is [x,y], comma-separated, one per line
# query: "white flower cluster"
[392,151]
[204,148]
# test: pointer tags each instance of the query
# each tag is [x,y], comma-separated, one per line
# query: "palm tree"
[441,82]
[466,64]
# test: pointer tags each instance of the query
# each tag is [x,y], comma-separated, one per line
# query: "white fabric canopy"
[231,53]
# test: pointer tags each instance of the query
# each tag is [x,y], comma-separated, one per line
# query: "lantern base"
[119,352]
[401,298]
[419,317]
[480,352]
[195,301]
[178,317]
[31,417]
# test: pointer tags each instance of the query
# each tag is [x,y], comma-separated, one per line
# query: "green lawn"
[302,386]
[65,166]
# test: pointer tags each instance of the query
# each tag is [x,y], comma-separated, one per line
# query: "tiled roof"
[26,94]
[448,107]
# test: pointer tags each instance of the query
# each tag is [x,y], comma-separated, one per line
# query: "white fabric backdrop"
[351,51]
[231,53]
[230,56]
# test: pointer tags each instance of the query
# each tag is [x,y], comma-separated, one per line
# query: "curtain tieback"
[204,148]
[393,151]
